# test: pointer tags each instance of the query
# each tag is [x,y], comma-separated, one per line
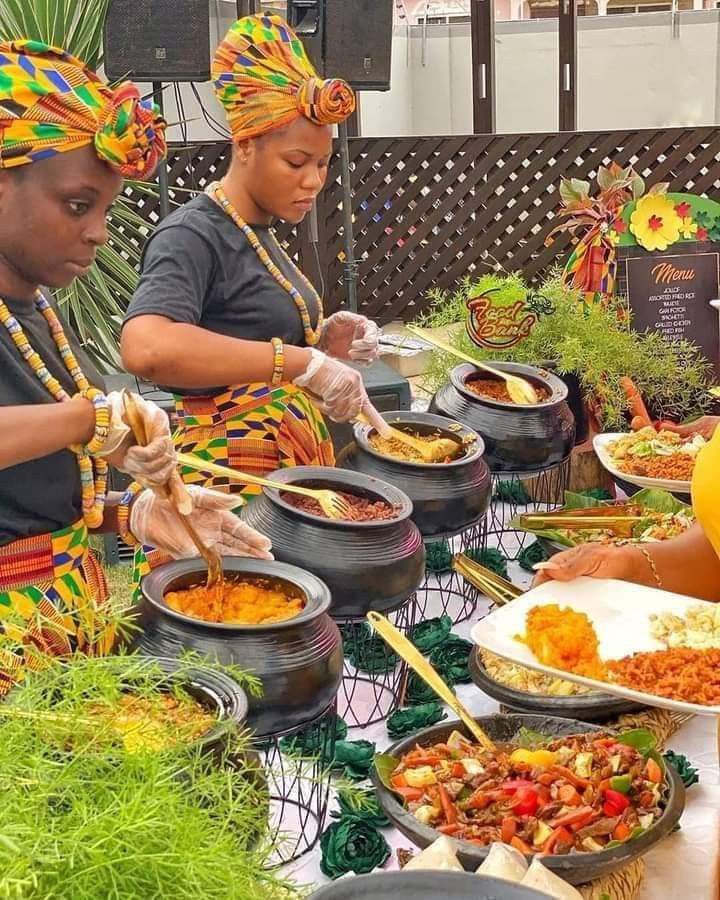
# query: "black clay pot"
[577,868]
[299,661]
[367,565]
[425,885]
[519,439]
[575,400]
[592,707]
[446,497]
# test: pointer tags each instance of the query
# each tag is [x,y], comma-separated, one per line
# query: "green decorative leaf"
[644,742]
[531,740]
[660,502]
[385,765]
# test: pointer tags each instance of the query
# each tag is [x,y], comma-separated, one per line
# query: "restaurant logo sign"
[495,324]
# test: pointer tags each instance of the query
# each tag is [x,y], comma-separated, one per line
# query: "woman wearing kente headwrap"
[66,141]
[221,314]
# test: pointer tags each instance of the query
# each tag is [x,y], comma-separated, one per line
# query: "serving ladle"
[520,390]
[437,450]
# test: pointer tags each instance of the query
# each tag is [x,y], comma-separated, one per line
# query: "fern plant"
[95,304]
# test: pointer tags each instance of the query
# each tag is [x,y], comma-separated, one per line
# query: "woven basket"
[624,884]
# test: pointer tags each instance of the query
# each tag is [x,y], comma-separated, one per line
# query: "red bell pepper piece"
[398,781]
[515,784]
[458,770]
[615,804]
[559,836]
[526,802]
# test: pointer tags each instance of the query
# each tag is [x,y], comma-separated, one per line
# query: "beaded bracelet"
[102,419]
[123,515]
[278,361]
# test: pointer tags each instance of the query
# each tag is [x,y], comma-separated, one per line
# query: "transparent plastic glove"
[339,389]
[153,521]
[347,335]
[153,466]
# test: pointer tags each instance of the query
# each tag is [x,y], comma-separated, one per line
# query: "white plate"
[600,443]
[620,613]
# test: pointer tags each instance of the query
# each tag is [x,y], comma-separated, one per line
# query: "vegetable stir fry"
[580,793]
[655,454]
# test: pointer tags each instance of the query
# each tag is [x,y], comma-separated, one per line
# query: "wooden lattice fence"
[428,210]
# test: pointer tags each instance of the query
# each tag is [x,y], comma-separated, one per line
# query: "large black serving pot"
[299,661]
[519,439]
[367,565]
[577,868]
[592,707]
[446,497]
[425,885]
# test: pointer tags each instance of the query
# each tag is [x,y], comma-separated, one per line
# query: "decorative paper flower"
[701,234]
[512,492]
[428,634]
[451,660]
[490,558]
[354,759]
[531,555]
[418,691]
[681,764]
[688,229]
[407,721]
[655,223]
[352,845]
[366,651]
[361,804]
[620,226]
[683,209]
[438,557]
[315,739]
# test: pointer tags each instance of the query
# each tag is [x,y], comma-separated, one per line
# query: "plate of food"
[650,459]
[588,800]
[649,516]
[649,646]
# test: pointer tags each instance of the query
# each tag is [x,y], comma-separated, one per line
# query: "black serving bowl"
[374,565]
[298,660]
[519,438]
[577,868]
[446,497]
[592,707]
[425,885]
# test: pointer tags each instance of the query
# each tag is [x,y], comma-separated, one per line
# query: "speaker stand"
[350,272]
[162,168]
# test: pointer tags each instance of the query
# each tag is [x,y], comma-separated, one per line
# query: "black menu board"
[671,292]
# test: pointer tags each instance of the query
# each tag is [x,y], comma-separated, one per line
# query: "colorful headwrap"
[265,80]
[51,103]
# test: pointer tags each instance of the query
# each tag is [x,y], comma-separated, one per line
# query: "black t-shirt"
[199,268]
[44,494]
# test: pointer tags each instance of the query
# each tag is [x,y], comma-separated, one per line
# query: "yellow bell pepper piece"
[536,758]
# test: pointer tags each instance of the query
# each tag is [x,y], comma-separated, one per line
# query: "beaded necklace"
[216,192]
[93,472]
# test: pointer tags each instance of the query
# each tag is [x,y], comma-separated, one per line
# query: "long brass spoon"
[520,390]
[412,656]
[212,558]
[436,450]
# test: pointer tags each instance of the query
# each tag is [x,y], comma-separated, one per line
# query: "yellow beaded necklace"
[216,192]
[93,472]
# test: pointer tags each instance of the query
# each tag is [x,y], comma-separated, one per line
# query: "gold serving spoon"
[215,580]
[520,390]
[412,656]
[436,450]
[332,504]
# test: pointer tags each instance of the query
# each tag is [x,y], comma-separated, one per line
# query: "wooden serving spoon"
[520,390]
[215,580]
[412,656]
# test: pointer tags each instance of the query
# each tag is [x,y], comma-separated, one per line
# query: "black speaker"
[158,40]
[350,39]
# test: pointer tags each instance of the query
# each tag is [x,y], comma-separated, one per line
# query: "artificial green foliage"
[366,651]
[595,342]
[85,817]
[413,718]
[354,759]
[491,558]
[682,766]
[431,632]
[352,845]
[512,491]
[317,739]
[596,494]
[438,557]
[451,660]
[360,803]
[531,555]
[418,691]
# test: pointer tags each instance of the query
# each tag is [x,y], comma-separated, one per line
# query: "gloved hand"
[338,388]
[153,521]
[346,335]
[153,466]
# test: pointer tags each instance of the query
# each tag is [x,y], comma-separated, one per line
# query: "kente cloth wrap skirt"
[254,428]
[53,601]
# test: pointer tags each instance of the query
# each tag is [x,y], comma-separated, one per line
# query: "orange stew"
[254,601]
[494,389]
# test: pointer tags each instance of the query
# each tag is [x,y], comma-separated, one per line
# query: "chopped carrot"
[519,844]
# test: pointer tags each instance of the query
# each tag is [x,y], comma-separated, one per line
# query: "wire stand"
[296,767]
[374,678]
[444,592]
[515,494]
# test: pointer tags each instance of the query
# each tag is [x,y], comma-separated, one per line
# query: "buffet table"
[685,866]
